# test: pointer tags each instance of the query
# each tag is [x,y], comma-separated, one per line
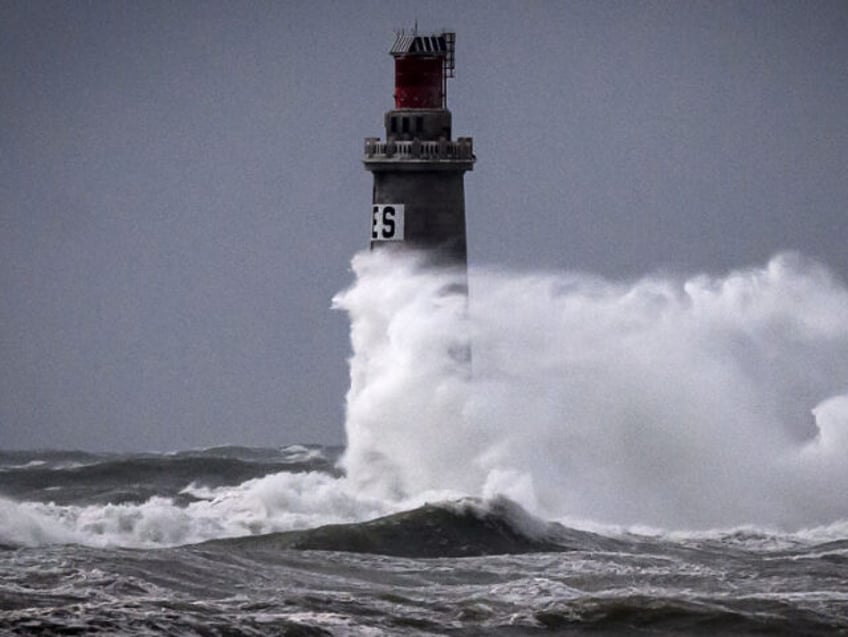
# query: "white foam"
[278,502]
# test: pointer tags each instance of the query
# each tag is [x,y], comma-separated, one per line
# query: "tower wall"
[434,209]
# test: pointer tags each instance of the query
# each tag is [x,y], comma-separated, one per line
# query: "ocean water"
[224,542]
[556,454]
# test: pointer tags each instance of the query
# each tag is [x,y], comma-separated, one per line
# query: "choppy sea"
[246,541]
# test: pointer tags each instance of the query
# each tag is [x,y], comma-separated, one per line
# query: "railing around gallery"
[461,149]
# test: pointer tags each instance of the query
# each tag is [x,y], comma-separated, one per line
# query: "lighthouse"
[419,195]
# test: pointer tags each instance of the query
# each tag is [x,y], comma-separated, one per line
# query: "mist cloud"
[673,402]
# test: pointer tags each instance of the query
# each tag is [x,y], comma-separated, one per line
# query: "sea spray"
[671,402]
[407,384]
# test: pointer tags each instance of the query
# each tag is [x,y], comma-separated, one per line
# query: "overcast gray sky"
[181,186]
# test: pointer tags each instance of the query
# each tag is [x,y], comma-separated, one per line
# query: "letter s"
[388,222]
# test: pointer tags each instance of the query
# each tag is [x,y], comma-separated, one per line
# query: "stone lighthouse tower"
[419,197]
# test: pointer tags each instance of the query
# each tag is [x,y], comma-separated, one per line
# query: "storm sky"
[181,186]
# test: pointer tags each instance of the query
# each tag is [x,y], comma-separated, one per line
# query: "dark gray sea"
[242,541]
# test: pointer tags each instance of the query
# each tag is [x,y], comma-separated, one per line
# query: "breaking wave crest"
[272,503]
